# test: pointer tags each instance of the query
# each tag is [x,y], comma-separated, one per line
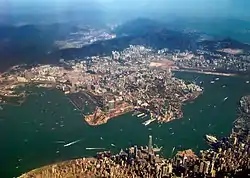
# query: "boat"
[95,148]
[144,116]
[112,144]
[135,113]
[148,122]
[212,82]
[157,149]
[1,108]
[217,79]
[172,133]
[225,99]
[173,150]
[71,143]
[59,141]
[247,81]
[211,139]
[140,115]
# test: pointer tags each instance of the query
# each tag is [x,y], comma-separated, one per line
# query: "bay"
[33,134]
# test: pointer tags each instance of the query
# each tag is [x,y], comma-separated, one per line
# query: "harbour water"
[34,134]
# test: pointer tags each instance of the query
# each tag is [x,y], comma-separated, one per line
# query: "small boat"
[59,141]
[95,148]
[225,99]
[135,113]
[101,138]
[1,108]
[247,81]
[172,133]
[157,149]
[112,144]
[173,149]
[212,82]
[71,143]
[144,116]
[217,79]
[211,139]
[148,122]
[140,115]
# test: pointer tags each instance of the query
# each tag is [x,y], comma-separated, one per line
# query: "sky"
[114,9]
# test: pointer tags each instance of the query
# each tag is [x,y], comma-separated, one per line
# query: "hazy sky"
[132,8]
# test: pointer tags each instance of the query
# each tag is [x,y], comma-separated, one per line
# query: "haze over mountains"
[28,11]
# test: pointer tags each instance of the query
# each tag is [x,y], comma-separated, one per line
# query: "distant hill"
[137,32]
[28,43]
[34,44]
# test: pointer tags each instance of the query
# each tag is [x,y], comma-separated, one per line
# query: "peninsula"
[137,78]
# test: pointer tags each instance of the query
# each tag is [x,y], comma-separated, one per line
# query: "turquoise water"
[28,133]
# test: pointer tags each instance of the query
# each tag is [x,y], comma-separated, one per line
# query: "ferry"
[71,143]
[211,139]
[148,122]
[140,115]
